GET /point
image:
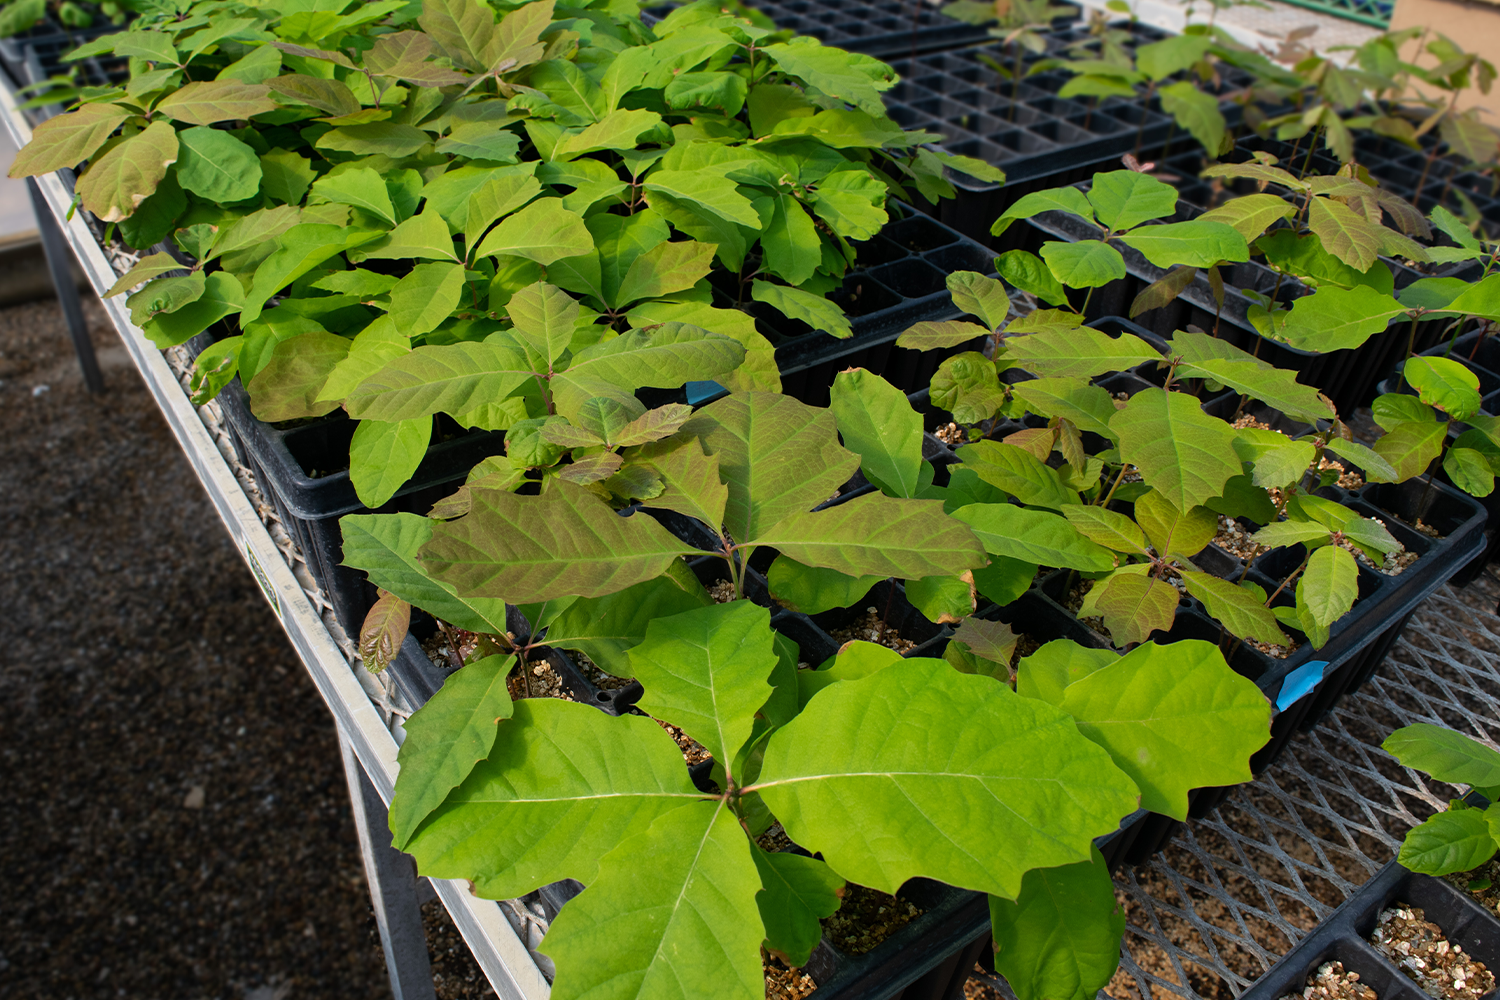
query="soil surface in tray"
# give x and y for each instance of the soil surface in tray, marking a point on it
(176, 821)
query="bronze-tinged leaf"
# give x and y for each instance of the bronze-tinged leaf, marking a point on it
(67, 140)
(405, 55)
(205, 102)
(1345, 234)
(690, 483)
(1163, 290)
(591, 469)
(992, 642)
(325, 95)
(383, 632)
(129, 173)
(464, 28)
(337, 58)
(1133, 606)
(565, 543)
(144, 270)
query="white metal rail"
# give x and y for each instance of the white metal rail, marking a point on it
(500, 953)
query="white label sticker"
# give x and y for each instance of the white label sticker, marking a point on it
(265, 584)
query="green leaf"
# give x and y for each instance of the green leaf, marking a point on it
(445, 739)
(1280, 533)
(1029, 273)
(1444, 383)
(1470, 471)
(968, 387)
(1084, 264)
(116, 184)
(67, 140)
(1209, 357)
(832, 71)
(796, 893)
(165, 295)
(664, 269)
(1410, 448)
(1108, 528)
(288, 387)
(1047, 673)
(884, 800)
(286, 176)
(361, 187)
(1174, 533)
(1089, 407)
(663, 357)
(564, 543)
(480, 141)
(1335, 318)
(386, 545)
(424, 236)
(222, 296)
(452, 378)
(426, 297)
(1395, 408)
(1132, 605)
(851, 201)
(1194, 244)
(1180, 451)
(1123, 199)
(1480, 299)
(209, 101)
(1376, 468)
(690, 480)
(880, 426)
(1251, 214)
(1242, 613)
(1064, 199)
(616, 130)
(1078, 353)
(932, 334)
(877, 535)
(375, 139)
(712, 192)
(215, 165)
(942, 599)
(1195, 111)
(382, 457)
(1444, 754)
(561, 780)
(1345, 234)
(1060, 939)
(1152, 710)
(604, 628)
(1163, 291)
(1329, 585)
(982, 647)
(1034, 536)
(778, 457)
(1452, 841)
(708, 671)
(543, 231)
(811, 590)
(1017, 472)
(1169, 56)
(980, 296)
(331, 96)
(686, 925)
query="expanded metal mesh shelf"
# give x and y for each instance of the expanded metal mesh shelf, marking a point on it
(1235, 891)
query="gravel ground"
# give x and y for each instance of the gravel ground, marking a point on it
(176, 823)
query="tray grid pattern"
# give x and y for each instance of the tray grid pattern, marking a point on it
(1235, 891)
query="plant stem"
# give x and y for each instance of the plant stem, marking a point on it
(1140, 133)
(1116, 485)
(1307, 160)
(1289, 579)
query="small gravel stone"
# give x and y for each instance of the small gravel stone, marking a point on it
(870, 628)
(1234, 538)
(866, 918)
(595, 676)
(1483, 883)
(951, 434)
(1331, 982)
(783, 983)
(1443, 970)
(722, 592)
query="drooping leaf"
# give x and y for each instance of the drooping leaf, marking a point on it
(1029, 273)
(209, 101)
(1444, 754)
(980, 296)
(1346, 234)
(116, 183)
(1174, 533)
(880, 426)
(854, 769)
(1018, 473)
(812, 590)
(796, 893)
(1242, 613)
(454, 731)
(794, 303)
(1329, 585)
(382, 457)
(1151, 709)
(1163, 290)
(1209, 357)
(1060, 938)
(386, 545)
(566, 542)
(289, 386)
(1181, 451)
(605, 628)
(1196, 111)
(1411, 447)
(1034, 536)
(67, 140)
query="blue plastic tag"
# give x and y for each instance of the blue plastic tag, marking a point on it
(1299, 682)
(702, 392)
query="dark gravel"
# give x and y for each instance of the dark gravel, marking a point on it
(175, 821)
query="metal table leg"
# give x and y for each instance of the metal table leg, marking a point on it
(394, 894)
(56, 249)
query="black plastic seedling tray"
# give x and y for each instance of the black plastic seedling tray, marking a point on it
(34, 56)
(1344, 937)
(1481, 355)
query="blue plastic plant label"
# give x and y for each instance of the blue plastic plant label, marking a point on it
(702, 392)
(1299, 682)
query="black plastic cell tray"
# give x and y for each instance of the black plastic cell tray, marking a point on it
(36, 55)
(1344, 936)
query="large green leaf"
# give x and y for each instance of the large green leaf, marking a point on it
(386, 545)
(1034, 536)
(708, 672)
(1029, 273)
(604, 628)
(812, 590)
(794, 303)
(1047, 672)
(663, 357)
(1174, 533)
(1109, 528)
(672, 915)
(863, 779)
(1412, 446)
(115, 184)
(712, 192)
(880, 426)
(1444, 383)
(664, 269)
(209, 101)
(298, 250)
(543, 231)
(563, 783)
(360, 187)
(1089, 407)
(1123, 199)
(1209, 357)
(1132, 604)
(426, 296)
(1196, 111)
(1346, 234)
(1174, 718)
(1453, 841)
(1181, 451)
(565, 543)
(1084, 264)
(1444, 754)
(1242, 612)
(215, 165)
(1172, 55)
(1017, 472)
(979, 296)
(1196, 243)
(796, 893)
(455, 730)
(967, 386)
(67, 140)
(690, 480)
(831, 71)
(1329, 585)
(1060, 939)
(452, 378)
(1078, 353)
(289, 387)
(877, 535)
(1334, 318)
(616, 130)
(778, 456)
(382, 457)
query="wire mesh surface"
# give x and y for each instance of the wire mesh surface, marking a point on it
(1235, 891)
(1376, 13)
